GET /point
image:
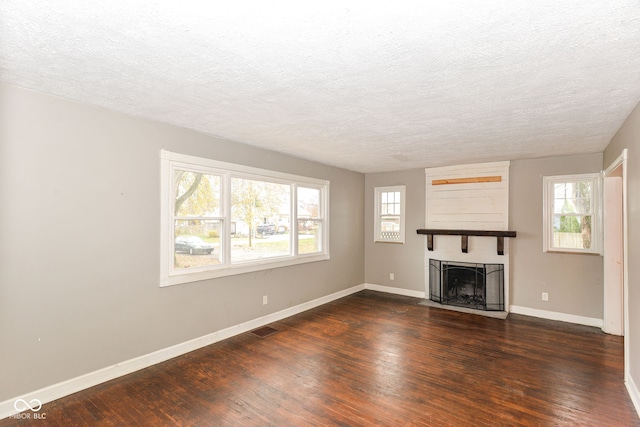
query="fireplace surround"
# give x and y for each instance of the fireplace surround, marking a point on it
(470, 285)
(467, 224)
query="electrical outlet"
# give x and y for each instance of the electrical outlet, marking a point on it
(545, 296)
(392, 276)
(264, 300)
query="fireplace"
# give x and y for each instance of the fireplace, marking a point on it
(469, 285)
(467, 223)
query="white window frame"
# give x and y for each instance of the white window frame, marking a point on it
(171, 276)
(378, 237)
(596, 212)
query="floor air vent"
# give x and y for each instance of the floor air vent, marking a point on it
(264, 331)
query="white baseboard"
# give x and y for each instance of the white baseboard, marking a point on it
(553, 315)
(634, 393)
(74, 385)
(397, 291)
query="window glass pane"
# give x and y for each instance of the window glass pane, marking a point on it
(196, 194)
(583, 197)
(572, 197)
(390, 228)
(309, 236)
(572, 232)
(260, 212)
(196, 243)
(392, 204)
(309, 223)
(308, 202)
(390, 223)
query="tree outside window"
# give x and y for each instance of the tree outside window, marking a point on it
(572, 213)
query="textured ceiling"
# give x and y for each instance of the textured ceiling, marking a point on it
(368, 86)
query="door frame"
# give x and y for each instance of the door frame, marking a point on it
(621, 162)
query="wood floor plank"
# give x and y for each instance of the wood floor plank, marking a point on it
(374, 359)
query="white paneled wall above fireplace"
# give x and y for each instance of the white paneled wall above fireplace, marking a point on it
(481, 204)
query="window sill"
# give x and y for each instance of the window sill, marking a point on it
(572, 252)
(196, 276)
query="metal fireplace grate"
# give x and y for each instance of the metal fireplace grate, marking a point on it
(470, 285)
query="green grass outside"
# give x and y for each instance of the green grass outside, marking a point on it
(305, 245)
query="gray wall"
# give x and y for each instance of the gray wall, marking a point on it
(79, 242)
(574, 282)
(406, 261)
(629, 137)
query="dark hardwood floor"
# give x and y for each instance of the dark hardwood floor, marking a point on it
(373, 359)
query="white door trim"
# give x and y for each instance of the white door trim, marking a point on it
(621, 161)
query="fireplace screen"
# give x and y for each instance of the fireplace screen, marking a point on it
(477, 286)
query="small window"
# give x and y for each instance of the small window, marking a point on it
(572, 213)
(389, 214)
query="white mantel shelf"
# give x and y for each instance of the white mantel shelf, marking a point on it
(464, 243)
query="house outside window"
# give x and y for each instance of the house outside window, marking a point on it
(389, 214)
(220, 219)
(573, 213)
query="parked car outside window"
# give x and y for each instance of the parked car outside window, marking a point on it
(192, 245)
(269, 229)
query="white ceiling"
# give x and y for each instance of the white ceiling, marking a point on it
(368, 86)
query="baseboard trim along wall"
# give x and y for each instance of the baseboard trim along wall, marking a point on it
(634, 393)
(74, 385)
(397, 291)
(553, 315)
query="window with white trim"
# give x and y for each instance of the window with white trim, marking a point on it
(389, 214)
(220, 219)
(572, 213)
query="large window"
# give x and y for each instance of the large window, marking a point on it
(572, 213)
(221, 219)
(389, 214)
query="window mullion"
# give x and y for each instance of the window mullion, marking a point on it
(225, 199)
(293, 214)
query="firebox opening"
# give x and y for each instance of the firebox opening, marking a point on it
(470, 285)
(464, 286)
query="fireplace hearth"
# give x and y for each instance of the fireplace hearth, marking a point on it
(469, 285)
